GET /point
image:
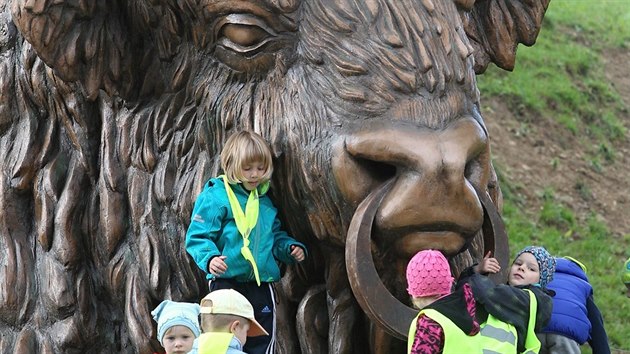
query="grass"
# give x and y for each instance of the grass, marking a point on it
(561, 79)
(557, 229)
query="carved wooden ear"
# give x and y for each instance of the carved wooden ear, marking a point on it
(81, 44)
(496, 27)
(102, 44)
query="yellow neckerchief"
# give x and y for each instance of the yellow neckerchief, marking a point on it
(245, 222)
(214, 342)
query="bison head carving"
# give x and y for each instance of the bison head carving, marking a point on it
(112, 115)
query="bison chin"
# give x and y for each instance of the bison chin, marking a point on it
(370, 290)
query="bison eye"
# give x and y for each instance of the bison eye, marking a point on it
(243, 38)
(246, 43)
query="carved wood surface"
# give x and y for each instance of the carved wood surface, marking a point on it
(112, 115)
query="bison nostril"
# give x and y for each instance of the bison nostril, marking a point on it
(357, 175)
(438, 167)
(376, 170)
(477, 168)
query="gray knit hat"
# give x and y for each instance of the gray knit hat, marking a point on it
(546, 263)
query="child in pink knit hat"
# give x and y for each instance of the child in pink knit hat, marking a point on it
(428, 277)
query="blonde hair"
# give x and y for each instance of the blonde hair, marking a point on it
(243, 148)
(214, 322)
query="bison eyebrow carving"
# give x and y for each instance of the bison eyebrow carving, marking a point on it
(405, 47)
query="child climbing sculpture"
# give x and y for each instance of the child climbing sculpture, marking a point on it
(235, 235)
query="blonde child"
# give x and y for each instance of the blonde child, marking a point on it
(227, 319)
(235, 235)
(469, 319)
(177, 325)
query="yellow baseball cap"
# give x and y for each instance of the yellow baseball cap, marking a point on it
(231, 302)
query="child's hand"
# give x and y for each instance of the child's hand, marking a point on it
(489, 264)
(217, 266)
(297, 253)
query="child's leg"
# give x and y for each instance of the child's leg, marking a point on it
(263, 301)
(551, 343)
(218, 284)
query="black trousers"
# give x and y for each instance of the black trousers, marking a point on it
(262, 299)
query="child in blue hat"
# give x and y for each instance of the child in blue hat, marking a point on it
(178, 325)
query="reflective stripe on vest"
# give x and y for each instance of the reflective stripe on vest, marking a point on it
(412, 333)
(495, 336)
(532, 344)
(214, 342)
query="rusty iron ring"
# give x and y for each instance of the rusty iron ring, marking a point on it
(368, 288)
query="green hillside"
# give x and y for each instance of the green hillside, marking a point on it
(568, 100)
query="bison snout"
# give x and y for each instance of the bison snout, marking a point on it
(432, 202)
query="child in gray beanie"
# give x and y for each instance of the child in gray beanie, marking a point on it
(546, 266)
(531, 270)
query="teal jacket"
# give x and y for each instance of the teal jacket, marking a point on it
(212, 232)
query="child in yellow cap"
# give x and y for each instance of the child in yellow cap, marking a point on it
(227, 319)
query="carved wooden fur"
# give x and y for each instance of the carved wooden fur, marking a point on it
(112, 114)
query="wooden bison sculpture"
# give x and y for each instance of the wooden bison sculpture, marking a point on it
(113, 113)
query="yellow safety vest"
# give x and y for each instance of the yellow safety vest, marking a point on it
(495, 336)
(214, 342)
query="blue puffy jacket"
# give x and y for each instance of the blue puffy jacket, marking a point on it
(570, 315)
(575, 314)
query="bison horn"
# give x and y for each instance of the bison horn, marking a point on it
(368, 288)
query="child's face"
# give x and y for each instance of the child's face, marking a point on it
(239, 329)
(178, 340)
(252, 173)
(524, 270)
